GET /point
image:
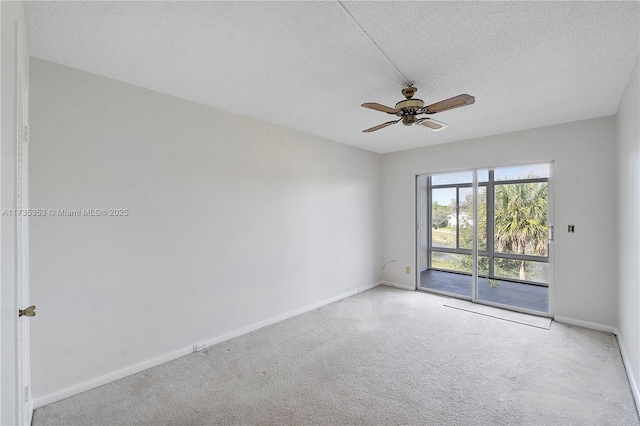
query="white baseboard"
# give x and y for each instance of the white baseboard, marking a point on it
(363, 289)
(244, 330)
(396, 285)
(30, 411)
(586, 324)
(153, 362)
(108, 378)
(632, 380)
(625, 360)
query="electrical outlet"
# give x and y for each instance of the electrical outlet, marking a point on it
(572, 228)
(407, 269)
(199, 346)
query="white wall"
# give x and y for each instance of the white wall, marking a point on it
(232, 221)
(628, 134)
(584, 183)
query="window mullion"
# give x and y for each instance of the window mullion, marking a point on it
(458, 217)
(490, 223)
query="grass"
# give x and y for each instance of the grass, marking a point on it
(444, 236)
(441, 264)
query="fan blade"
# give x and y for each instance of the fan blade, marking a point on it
(447, 104)
(379, 107)
(380, 126)
(433, 125)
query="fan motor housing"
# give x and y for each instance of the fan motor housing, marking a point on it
(410, 105)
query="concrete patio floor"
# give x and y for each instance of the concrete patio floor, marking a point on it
(525, 296)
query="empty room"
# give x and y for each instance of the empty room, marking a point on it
(320, 212)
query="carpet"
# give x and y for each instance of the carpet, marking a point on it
(382, 357)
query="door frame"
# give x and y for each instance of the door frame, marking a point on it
(474, 291)
(15, 396)
(21, 185)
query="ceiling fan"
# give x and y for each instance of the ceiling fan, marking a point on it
(409, 108)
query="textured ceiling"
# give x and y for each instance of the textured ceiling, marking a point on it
(308, 66)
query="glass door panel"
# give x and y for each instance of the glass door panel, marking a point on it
(516, 205)
(449, 260)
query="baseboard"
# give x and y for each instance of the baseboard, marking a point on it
(153, 362)
(278, 318)
(396, 285)
(632, 380)
(30, 411)
(72, 390)
(625, 360)
(586, 324)
(369, 287)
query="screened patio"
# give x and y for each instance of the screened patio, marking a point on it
(520, 295)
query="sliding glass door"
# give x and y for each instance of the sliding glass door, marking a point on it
(483, 236)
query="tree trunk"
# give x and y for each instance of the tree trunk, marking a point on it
(523, 276)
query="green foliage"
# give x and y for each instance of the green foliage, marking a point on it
(521, 220)
(520, 227)
(439, 215)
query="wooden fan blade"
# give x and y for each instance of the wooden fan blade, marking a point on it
(451, 103)
(379, 107)
(380, 126)
(431, 124)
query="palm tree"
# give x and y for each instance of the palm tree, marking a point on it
(520, 223)
(521, 220)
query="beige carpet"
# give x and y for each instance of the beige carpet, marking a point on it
(386, 356)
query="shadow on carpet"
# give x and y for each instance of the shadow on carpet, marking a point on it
(503, 314)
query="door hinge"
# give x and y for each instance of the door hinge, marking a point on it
(27, 312)
(551, 233)
(26, 134)
(27, 393)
